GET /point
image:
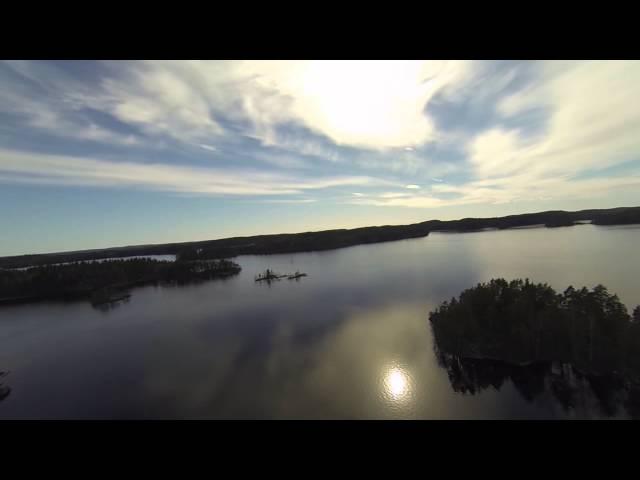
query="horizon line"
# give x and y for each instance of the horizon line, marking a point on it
(88, 250)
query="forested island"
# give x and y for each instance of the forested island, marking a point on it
(104, 282)
(331, 239)
(570, 342)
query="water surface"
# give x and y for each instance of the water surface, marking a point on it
(351, 340)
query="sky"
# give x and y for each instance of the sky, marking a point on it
(98, 154)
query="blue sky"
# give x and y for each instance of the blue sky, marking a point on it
(99, 154)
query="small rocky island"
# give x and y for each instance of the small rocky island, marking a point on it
(570, 343)
(105, 282)
(269, 276)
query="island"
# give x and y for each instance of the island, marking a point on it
(269, 276)
(570, 342)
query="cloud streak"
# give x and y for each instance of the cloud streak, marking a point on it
(72, 171)
(507, 190)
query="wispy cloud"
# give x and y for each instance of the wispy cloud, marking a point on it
(293, 200)
(49, 109)
(371, 104)
(394, 195)
(587, 130)
(514, 189)
(63, 170)
(532, 130)
(368, 104)
(211, 148)
(282, 160)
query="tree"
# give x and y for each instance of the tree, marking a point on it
(521, 321)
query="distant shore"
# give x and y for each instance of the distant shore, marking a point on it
(333, 239)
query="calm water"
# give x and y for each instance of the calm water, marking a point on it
(351, 340)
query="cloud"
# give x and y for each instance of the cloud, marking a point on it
(532, 130)
(508, 190)
(415, 202)
(281, 160)
(369, 104)
(161, 99)
(592, 124)
(394, 195)
(211, 148)
(366, 104)
(48, 109)
(305, 143)
(73, 171)
(312, 109)
(302, 200)
(50, 119)
(415, 165)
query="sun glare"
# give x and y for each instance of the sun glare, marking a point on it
(396, 383)
(368, 103)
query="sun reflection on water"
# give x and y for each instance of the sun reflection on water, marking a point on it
(397, 384)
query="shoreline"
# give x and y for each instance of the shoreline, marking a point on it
(335, 239)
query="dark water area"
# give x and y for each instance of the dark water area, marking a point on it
(351, 340)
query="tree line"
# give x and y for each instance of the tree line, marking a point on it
(83, 279)
(522, 322)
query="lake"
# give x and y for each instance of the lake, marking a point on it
(350, 341)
